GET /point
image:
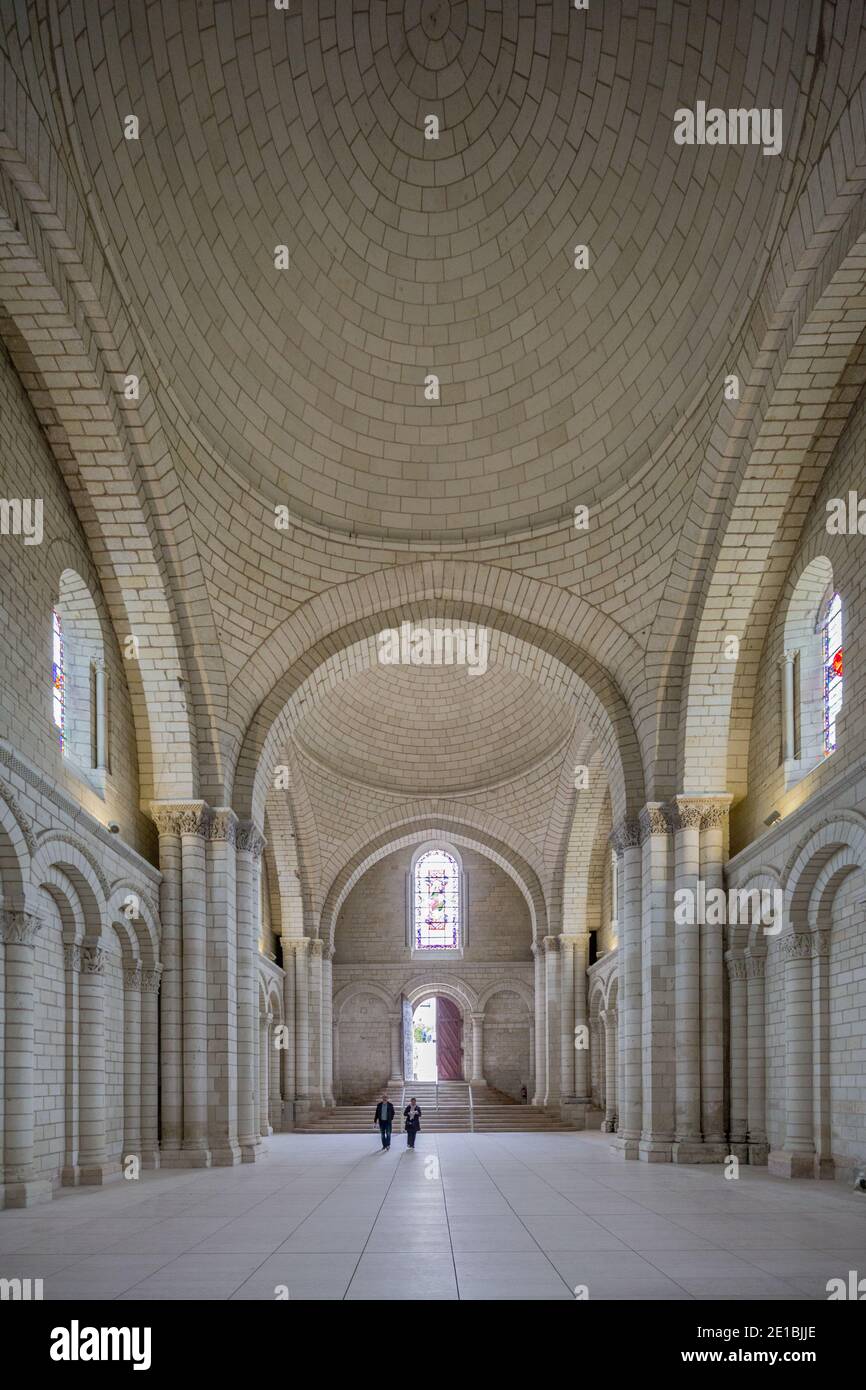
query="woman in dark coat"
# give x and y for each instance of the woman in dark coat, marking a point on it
(412, 1117)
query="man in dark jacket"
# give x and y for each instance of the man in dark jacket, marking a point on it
(412, 1116)
(384, 1118)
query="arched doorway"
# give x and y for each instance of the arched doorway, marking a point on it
(437, 1040)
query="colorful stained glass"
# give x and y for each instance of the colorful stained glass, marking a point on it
(437, 901)
(833, 665)
(58, 676)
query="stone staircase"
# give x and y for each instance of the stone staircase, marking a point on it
(448, 1107)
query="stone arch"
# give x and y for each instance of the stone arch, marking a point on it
(17, 842)
(88, 439)
(358, 856)
(143, 926)
(511, 986)
(786, 455)
(846, 832)
(740, 935)
(349, 991)
(425, 986)
(561, 630)
(66, 854)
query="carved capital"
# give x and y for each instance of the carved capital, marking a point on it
(92, 960)
(551, 944)
(223, 825)
(687, 814)
(737, 968)
(804, 945)
(654, 820)
(72, 958)
(150, 980)
(625, 836)
(317, 946)
(132, 978)
(181, 817)
(19, 928)
(250, 840)
(755, 967)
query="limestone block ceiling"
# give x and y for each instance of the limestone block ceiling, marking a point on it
(410, 256)
(431, 731)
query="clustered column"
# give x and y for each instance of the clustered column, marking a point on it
(626, 842)
(250, 846)
(22, 1185)
(609, 1022)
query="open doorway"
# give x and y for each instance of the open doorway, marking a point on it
(437, 1040)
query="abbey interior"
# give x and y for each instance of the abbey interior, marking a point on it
(432, 649)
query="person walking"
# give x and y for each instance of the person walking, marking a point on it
(412, 1117)
(384, 1118)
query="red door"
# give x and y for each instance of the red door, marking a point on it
(449, 1040)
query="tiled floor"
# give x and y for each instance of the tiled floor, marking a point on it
(464, 1216)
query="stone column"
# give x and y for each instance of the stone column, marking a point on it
(222, 973)
(287, 1055)
(609, 1022)
(580, 1030)
(688, 1138)
(327, 1027)
(824, 1165)
(788, 743)
(150, 1155)
(477, 1074)
(71, 1173)
(265, 1021)
(739, 1052)
(396, 1077)
(250, 845)
(167, 817)
(194, 828)
(567, 1039)
(18, 932)
(626, 840)
(540, 1025)
(302, 1022)
(274, 1105)
(657, 1004)
(132, 1062)
(101, 715)
(92, 1157)
(316, 1093)
(551, 1013)
(757, 1061)
(714, 840)
(797, 1159)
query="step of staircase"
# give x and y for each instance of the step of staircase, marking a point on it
(449, 1107)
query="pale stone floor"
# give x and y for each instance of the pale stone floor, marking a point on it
(513, 1216)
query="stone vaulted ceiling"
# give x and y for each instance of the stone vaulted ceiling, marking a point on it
(410, 256)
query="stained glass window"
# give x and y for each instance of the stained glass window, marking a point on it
(832, 670)
(58, 676)
(437, 901)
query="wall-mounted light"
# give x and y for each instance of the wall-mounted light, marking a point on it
(113, 828)
(773, 817)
